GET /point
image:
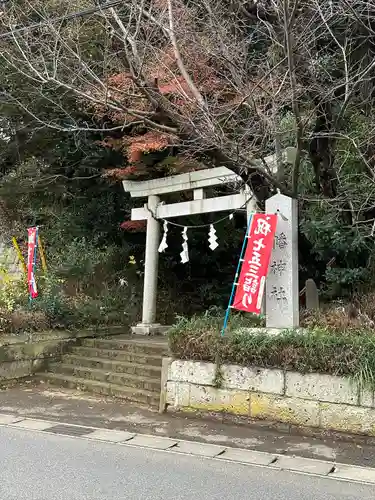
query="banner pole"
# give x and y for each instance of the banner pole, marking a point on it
(227, 312)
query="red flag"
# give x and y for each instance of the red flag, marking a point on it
(254, 268)
(31, 256)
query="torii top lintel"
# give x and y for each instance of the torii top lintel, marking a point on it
(183, 182)
(195, 181)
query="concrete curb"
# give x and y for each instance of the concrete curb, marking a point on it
(327, 469)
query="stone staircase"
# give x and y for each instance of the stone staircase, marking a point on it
(123, 367)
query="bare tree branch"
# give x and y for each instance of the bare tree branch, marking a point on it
(179, 60)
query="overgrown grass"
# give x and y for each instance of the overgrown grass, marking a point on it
(349, 353)
(213, 319)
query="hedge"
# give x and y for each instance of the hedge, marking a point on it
(350, 354)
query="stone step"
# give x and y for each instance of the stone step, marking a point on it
(111, 365)
(132, 346)
(121, 379)
(118, 355)
(104, 388)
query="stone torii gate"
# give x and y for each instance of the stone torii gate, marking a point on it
(154, 209)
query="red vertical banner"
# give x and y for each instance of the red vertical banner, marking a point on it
(250, 287)
(32, 244)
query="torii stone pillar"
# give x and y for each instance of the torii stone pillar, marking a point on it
(149, 325)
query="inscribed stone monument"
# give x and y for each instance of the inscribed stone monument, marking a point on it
(282, 294)
(312, 295)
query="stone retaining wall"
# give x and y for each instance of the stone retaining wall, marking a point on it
(24, 355)
(313, 400)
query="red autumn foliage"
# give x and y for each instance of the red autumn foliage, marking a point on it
(162, 73)
(151, 141)
(134, 226)
(174, 86)
(120, 81)
(162, 78)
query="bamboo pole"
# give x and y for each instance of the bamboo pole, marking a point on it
(19, 253)
(42, 255)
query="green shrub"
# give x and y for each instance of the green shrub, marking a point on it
(57, 308)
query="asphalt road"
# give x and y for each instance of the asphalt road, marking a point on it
(40, 466)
